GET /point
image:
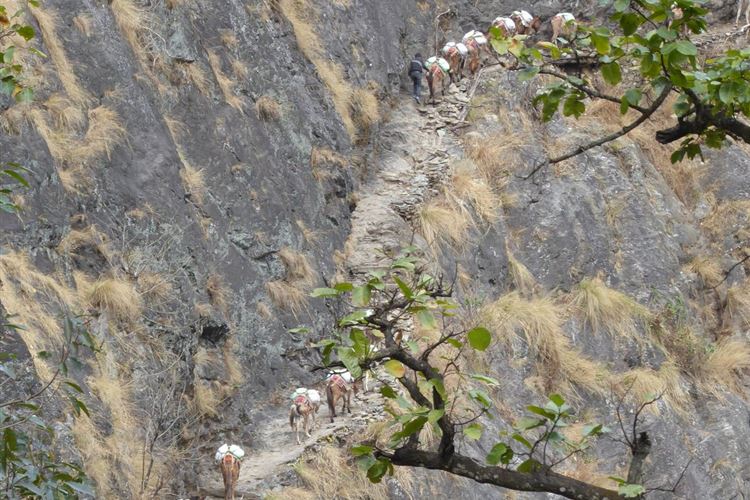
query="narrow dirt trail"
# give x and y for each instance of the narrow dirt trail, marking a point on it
(413, 154)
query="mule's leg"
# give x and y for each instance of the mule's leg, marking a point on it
(331, 403)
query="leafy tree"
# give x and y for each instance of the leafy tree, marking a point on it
(712, 95)
(29, 466)
(436, 389)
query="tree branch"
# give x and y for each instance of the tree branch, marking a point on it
(588, 90)
(543, 481)
(645, 115)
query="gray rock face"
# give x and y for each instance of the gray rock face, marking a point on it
(614, 213)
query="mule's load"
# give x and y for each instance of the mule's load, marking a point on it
(460, 47)
(233, 450)
(339, 381)
(524, 16)
(506, 24)
(476, 36)
(441, 63)
(297, 392)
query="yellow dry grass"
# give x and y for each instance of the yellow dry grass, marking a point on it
(441, 223)
(118, 297)
(66, 114)
(287, 296)
(329, 473)
(365, 111)
(738, 303)
(726, 217)
(499, 154)
(539, 322)
(303, 18)
(194, 182)
(217, 290)
(83, 23)
(267, 109)
(95, 456)
(132, 20)
(229, 39)
(726, 369)
(606, 309)
(197, 76)
(155, 287)
(298, 268)
(48, 21)
(468, 188)
(263, 310)
(206, 398)
(90, 236)
(522, 278)
(707, 269)
(644, 384)
(225, 83)
(239, 69)
(310, 236)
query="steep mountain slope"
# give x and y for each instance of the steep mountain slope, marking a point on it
(199, 166)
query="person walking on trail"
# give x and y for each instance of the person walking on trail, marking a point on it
(415, 72)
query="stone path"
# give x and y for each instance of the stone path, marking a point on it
(414, 151)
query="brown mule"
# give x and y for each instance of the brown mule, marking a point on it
(338, 388)
(435, 77)
(300, 412)
(230, 472)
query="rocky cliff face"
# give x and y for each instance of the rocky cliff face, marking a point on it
(199, 166)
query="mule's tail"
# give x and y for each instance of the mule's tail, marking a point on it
(228, 476)
(292, 415)
(330, 401)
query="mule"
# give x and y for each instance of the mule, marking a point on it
(338, 388)
(300, 413)
(506, 25)
(743, 6)
(526, 24)
(455, 54)
(314, 397)
(229, 458)
(563, 23)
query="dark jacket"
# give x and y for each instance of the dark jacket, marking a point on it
(415, 68)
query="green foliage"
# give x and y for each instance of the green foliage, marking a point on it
(648, 36)
(29, 467)
(628, 490)
(11, 172)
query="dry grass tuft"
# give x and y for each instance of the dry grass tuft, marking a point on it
(263, 310)
(467, 187)
(66, 114)
(217, 290)
(605, 309)
(644, 384)
(522, 278)
(104, 132)
(267, 109)
(206, 398)
(539, 320)
(197, 75)
(707, 269)
(229, 39)
(726, 368)
(310, 235)
(298, 268)
(89, 237)
(48, 21)
(441, 223)
(194, 182)
(287, 296)
(132, 20)
(364, 110)
(225, 83)
(118, 297)
(330, 473)
(738, 303)
(155, 287)
(83, 22)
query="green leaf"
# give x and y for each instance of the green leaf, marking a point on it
(376, 472)
(500, 453)
(484, 378)
(18, 177)
(528, 73)
(624, 105)
(633, 96)
(27, 32)
(686, 48)
(360, 450)
(82, 488)
(553, 50)
(629, 23)
(612, 73)
(350, 360)
(426, 319)
(405, 289)
(541, 411)
(75, 386)
(557, 399)
(395, 368)
(479, 338)
(527, 423)
(435, 415)
(473, 431)
(601, 43)
(361, 296)
(324, 292)
(529, 466)
(343, 287)
(388, 392)
(631, 490)
(522, 440)
(455, 343)
(8, 55)
(621, 5)
(573, 106)
(300, 330)
(480, 397)
(354, 318)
